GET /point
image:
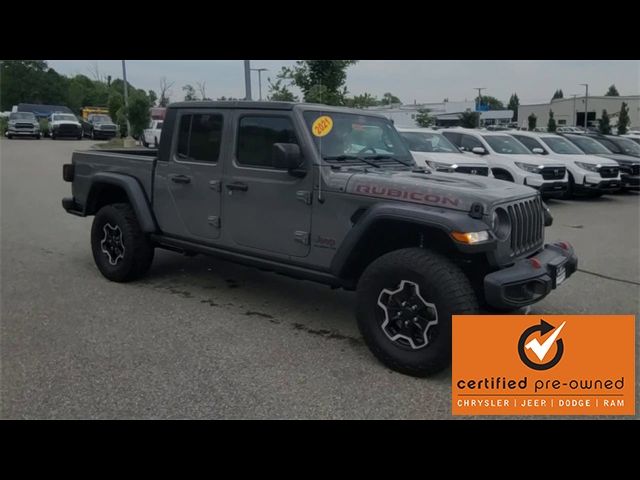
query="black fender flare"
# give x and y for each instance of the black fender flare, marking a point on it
(445, 220)
(135, 193)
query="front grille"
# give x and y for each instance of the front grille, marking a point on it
(553, 173)
(527, 225)
(107, 127)
(635, 169)
(67, 128)
(608, 172)
(24, 125)
(474, 170)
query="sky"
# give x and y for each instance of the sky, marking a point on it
(411, 80)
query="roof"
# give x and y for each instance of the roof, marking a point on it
(43, 110)
(262, 105)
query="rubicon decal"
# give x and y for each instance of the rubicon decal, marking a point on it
(543, 365)
(416, 196)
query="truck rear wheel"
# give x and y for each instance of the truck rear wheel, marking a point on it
(121, 250)
(405, 300)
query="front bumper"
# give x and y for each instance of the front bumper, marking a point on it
(31, 132)
(547, 188)
(630, 181)
(597, 184)
(67, 132)
(531, 279)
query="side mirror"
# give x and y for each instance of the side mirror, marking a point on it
(479, 150)
(538, 150)
(286, 156)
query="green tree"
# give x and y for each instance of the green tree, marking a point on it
(115, 104)
(532, 119)
(492, 102)
(557, 94)
(362, 101)
(612, 92)
(321, 81)
(605, 124)
(551, 124)
(152, 98)
(189, 93)
(623, 119)
(279, 92)
(390, 99)
(22, 82)
(423, 119)
(139, 114)
(514, 103)
(469, 119)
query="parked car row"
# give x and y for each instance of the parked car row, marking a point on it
(556, 165)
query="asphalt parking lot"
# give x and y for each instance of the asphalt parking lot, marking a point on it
(203, 338)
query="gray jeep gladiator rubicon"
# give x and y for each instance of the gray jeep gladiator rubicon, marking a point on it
(325, 194)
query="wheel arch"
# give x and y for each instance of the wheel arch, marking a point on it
(107, 188)
(383, 228)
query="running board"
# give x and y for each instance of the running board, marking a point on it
(294, 271)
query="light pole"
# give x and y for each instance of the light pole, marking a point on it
(247, 79)
(259, 70)
(126, 98)
(479, 101)
(586, 100)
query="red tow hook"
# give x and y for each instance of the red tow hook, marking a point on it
(563, 245)
(535, 263)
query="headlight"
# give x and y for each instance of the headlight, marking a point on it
(471, 238)
(529, 167)
(442, 166)
(588, 166)
(501, 223)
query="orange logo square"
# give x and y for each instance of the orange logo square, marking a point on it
(543, 365)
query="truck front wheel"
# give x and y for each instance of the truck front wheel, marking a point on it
(121, 250)
(405, 300)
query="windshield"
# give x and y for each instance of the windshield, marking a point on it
(562, 146)
(337, 134)
(70, 118)
(101, 118)
(22, 116)
(590, 146)
(428, 142)
(506, 144)
(628, 147)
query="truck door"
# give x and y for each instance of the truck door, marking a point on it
(188, 182)
(263, 207)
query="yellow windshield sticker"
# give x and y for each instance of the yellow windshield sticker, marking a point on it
(322, 126)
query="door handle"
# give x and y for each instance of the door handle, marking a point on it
(243, 187)
(180, 179)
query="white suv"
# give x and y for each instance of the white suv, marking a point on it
(432, 149)
(587, 173)
(510, 160)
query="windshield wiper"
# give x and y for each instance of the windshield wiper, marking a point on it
(341, 158)
(389, 157)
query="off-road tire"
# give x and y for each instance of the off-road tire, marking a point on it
(138, 250)
(441, 282)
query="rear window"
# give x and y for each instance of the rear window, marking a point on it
(200, 137)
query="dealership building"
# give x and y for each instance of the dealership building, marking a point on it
(570, 111)
(444, 113)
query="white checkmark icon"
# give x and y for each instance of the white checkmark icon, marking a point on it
(541, 350)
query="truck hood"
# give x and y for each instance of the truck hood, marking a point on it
(621, 158)
(455, 191)
(450, 158)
